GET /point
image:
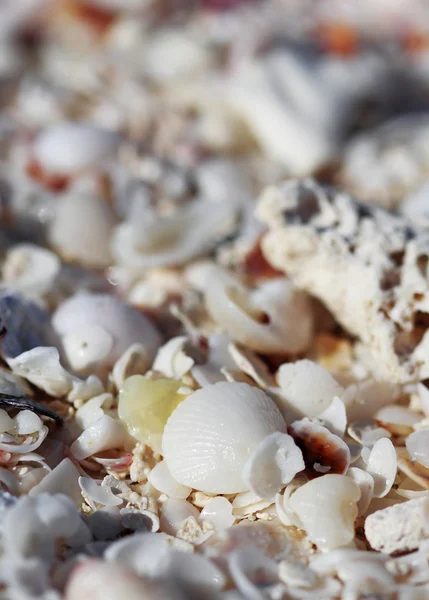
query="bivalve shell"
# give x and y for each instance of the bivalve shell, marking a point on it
(209, 437)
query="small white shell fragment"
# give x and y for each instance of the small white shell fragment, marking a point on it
(123, 323)
(382, 466)
(251, 570)
(423, 393)
(27, 422)
(275, 318)
(334, 417)
(92, 410)
(69, 147)
(173, 514)
(145, 553)
(272, 465)
(327, 509)
(103, 434)
(30, 269)
(163, 481)
(307, 388)
(365, 482)
(218, 512)
(364, 398)
(63, 479)
(247, 416)
(87, 346)
(197, 576)
(81, 228)
(399, 420)
(102, 581)
(134, 361)
(418, 446)
(398, 528)
(41, 366)
(6, 422)
(171, 359)
(100, 494)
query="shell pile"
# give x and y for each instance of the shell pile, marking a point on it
(214, 300)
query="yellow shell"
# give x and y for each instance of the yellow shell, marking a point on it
(145, 405)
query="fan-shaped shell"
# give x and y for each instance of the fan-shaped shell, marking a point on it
(209, 437)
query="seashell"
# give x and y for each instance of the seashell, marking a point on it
(417, 446)
(30, 269)
(218, 512)
(103, 434)
(173, 514)
(251, 365)
(93, 325)
(397, 419)
(145, 405)
(323, 451)
(27, 422)
(134, 361)
(92, 410)
(101, 581)
(250, 570)
(327, 509)
(248, 503)
(224, 180)
(365, 482)
(93, 492)
(382, 466)
(247, 416)
(275, 318)
(81, 228)
(70, 147)
(145, 553)
(63, 479)
(41, 366)
(172, 359)
(161, 241)
(367, 433)
(409, 489)
(272, 465)
(423, 394)
(364, 398)
(162, 480)
(6, 422)
(334, 417)
(307, 389)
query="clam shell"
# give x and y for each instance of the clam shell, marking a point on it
(209, 437)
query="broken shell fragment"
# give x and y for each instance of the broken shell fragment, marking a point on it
(308, 388)
(397, 419)
(366, 485)
(275, 318)
(418, 446)
(272, 465)
(382, 466)
(323, 451)
(327, 509)
(163, 481)
(226, 421)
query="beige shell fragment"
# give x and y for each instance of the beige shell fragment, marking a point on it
(329, 244)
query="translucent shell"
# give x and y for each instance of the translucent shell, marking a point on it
(210, 436)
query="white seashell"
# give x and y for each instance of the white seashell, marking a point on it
(418, 446)
(224, 180)
(272, 465)
(99, 580)
(364, 398)
(163, 481)
(226, 421)
(8, 443)
(87, 346)
(250, 570)
(96, 493)
(30, 269)
(174, 513)
(144, 553)
(334, 417)
(382, 466)
(104, 434)
(27, 422)
(134, 361)
(172, 240)
(63, 479)
(67, 148)
(121, 322)
(251, 365)
(307, 388)
(172, 360)
(327, 509)
(85, 389)
(423, 394)
(41, 366)
(275, 318)
(366, 485)
(367, 433)
(13, 384)
(397, 419)
(218, 512)
(195, 575)
(81, 227)
(92, 410)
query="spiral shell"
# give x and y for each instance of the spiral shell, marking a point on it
(209, 437)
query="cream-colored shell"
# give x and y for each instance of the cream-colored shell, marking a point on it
(210, 435)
